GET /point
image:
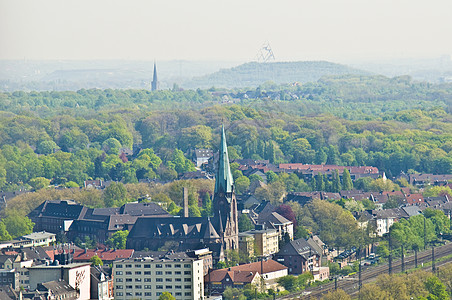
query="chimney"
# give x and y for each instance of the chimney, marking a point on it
(185, 195)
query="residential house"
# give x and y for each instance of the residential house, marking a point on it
(278, 222)
(299, 257)
(56, 289)
(76, 274)
(267, 271)
(102, 285)
(201, 156)
(246, 243)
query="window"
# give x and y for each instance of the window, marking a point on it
(187, 286)
(138, 287)
(138, 266)
(187, 293)
(187, 266)
(118, 266)
(168, 280)
(187, 272)
(178, 279)
(158, 273)
(128, 279)
(147, 266)
(119, 287)
(128, 273)
(138, 294)
(148, 287)
(119, 293)
(128, 266)
(129, 294)
(118, 279)
(129, 286)
(177, 272)
(118, 272)
(159, 279)
(147, 280)
(169, 287)
(138, 279)
(177, 266)
(159, 266)
(147, 272)
(137, 272)
(148, 294)
(187, 279)
(159, 287)
(179, 294)
(158, 293)
(178, 287)
(168, 273)
(167, 266)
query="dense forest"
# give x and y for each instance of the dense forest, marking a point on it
(65, 138)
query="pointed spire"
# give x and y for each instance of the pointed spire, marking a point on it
(223, 179)
(154, 83)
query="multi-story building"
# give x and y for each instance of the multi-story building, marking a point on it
(246, 243)
(147, 278)
(266, 240)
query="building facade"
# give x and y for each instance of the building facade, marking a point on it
(147, 278)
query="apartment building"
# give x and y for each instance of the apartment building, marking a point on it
(147, 278)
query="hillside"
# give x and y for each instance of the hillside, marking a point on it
(253, 74)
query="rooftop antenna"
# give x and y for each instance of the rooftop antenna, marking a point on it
(265, 53)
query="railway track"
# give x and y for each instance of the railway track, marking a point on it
(351, 284)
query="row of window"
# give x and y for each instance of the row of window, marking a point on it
(130, 294)
(149, 287)
(188, 279)
(156, 272)
(148, 266)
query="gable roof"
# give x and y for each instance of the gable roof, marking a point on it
(299, 247)
(273, 218)
(267, 266)
(235, 276)
(142, 209)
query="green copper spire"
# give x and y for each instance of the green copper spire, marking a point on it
(223, 178)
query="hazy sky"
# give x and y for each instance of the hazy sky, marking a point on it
(231, 30)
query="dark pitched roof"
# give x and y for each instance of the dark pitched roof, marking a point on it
(142, 209)
(146, 227)
(59, 209)
(273, 218)
(299, 247)
(58, 288)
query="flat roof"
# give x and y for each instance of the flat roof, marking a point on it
(68, 266)
(38, 235)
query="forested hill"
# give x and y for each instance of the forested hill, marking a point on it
(253, 74)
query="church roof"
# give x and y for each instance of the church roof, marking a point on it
(223, 178)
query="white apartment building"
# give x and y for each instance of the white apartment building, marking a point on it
(147, 278)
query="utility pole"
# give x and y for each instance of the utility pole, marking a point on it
(403, 261)
(390, 255)
(433, 260)
(425, 235)
(415, 257)
(335, 283)
(359, 274)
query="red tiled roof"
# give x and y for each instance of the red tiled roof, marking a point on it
(104, 254)
(267, 266)
(324, 168)
(414, 198)
(235, 276)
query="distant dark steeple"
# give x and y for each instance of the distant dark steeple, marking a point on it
(154, 83)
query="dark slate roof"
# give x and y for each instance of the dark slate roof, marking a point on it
(265, 208)
(142, 209)
(298, 247)
(58, 288)
(59, 209)
(146, 227)
(117, 222)
(273, 218)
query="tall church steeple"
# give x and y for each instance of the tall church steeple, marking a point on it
(154, 83)
(224, 181)
(224, 201)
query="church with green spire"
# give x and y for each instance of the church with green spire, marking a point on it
(218, 233)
